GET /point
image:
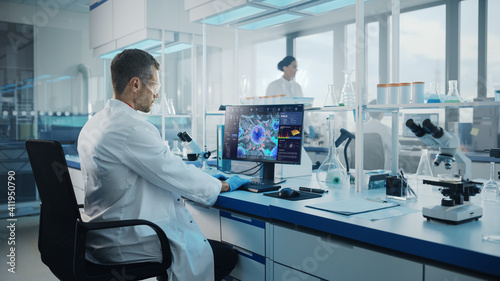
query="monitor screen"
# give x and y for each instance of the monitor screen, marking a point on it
(264, 133)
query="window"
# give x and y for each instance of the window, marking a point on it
(493, 64)
(468, 49)
(314, 56)
(267, 56)
(422, 46)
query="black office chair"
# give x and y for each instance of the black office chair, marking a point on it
(62, 235)
(373, 156)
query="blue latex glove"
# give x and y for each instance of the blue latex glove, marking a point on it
(235, 182)
(220, 177)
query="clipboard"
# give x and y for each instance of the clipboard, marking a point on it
(352, 206)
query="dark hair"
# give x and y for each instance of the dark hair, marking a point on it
(285, 62)
(131, 63)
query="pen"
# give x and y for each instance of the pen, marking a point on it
(314, 190)
(377, 200)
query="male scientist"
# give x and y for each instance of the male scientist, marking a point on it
(130, 174)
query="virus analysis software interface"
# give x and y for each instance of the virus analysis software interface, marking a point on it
(264, 133)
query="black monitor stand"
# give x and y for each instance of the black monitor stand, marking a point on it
(267, 175)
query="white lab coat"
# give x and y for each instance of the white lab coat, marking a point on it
(129, 174)
(284, 87)
(375, 126)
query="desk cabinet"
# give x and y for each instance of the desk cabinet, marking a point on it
(333, 258)
(248, 237)
(207, 219)
(433, 273)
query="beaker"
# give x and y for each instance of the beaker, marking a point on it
(331, 173)
(348, 97)
(490, 189)
(331, 99)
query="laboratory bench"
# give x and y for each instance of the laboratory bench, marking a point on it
(279, 239)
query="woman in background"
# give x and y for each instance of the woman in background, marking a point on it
(286, 85)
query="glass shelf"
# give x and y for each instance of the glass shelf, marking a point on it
(388, 107)
(171, 115)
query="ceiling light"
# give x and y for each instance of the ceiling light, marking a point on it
(326, 6)
(270, 21)
(145, 44)
(176, 47)
(283, 3)
(110, 55)
(235, 15)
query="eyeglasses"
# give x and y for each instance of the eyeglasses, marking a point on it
(155, 89)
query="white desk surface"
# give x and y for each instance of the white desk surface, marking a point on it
(461, 245)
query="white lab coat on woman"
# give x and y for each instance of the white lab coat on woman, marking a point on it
(284, 87)
(130, 174)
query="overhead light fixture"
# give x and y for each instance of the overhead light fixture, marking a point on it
(110, 55)
(172, 48)
(326, 6)
(283, 3)
(272, 20)
(237, 14)
(146, 44)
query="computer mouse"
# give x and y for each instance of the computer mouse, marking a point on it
(288, 193)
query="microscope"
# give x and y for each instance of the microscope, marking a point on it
(455, 207)
(194, 151)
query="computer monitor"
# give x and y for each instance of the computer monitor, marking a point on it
(271, 134)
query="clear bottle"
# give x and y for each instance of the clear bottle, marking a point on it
(332, 173)
(331, 99)
(243, 89)
(490, 189)
(453, 95)
(348, 97)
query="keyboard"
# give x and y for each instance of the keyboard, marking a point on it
(258, 187)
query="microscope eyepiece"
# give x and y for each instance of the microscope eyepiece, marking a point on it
(181, 137)
(415, 128)
(432, 129)
(187, 137)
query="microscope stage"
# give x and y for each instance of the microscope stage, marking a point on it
(454, 214)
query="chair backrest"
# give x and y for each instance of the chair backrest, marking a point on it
(59, 209)
(373, 156)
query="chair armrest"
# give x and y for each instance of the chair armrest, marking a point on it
(82, 228)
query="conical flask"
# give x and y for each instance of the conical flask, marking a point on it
(453, 95)
(424, 166)
(331, 173)
(331, 99)
(348, 97)
(424, 170)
